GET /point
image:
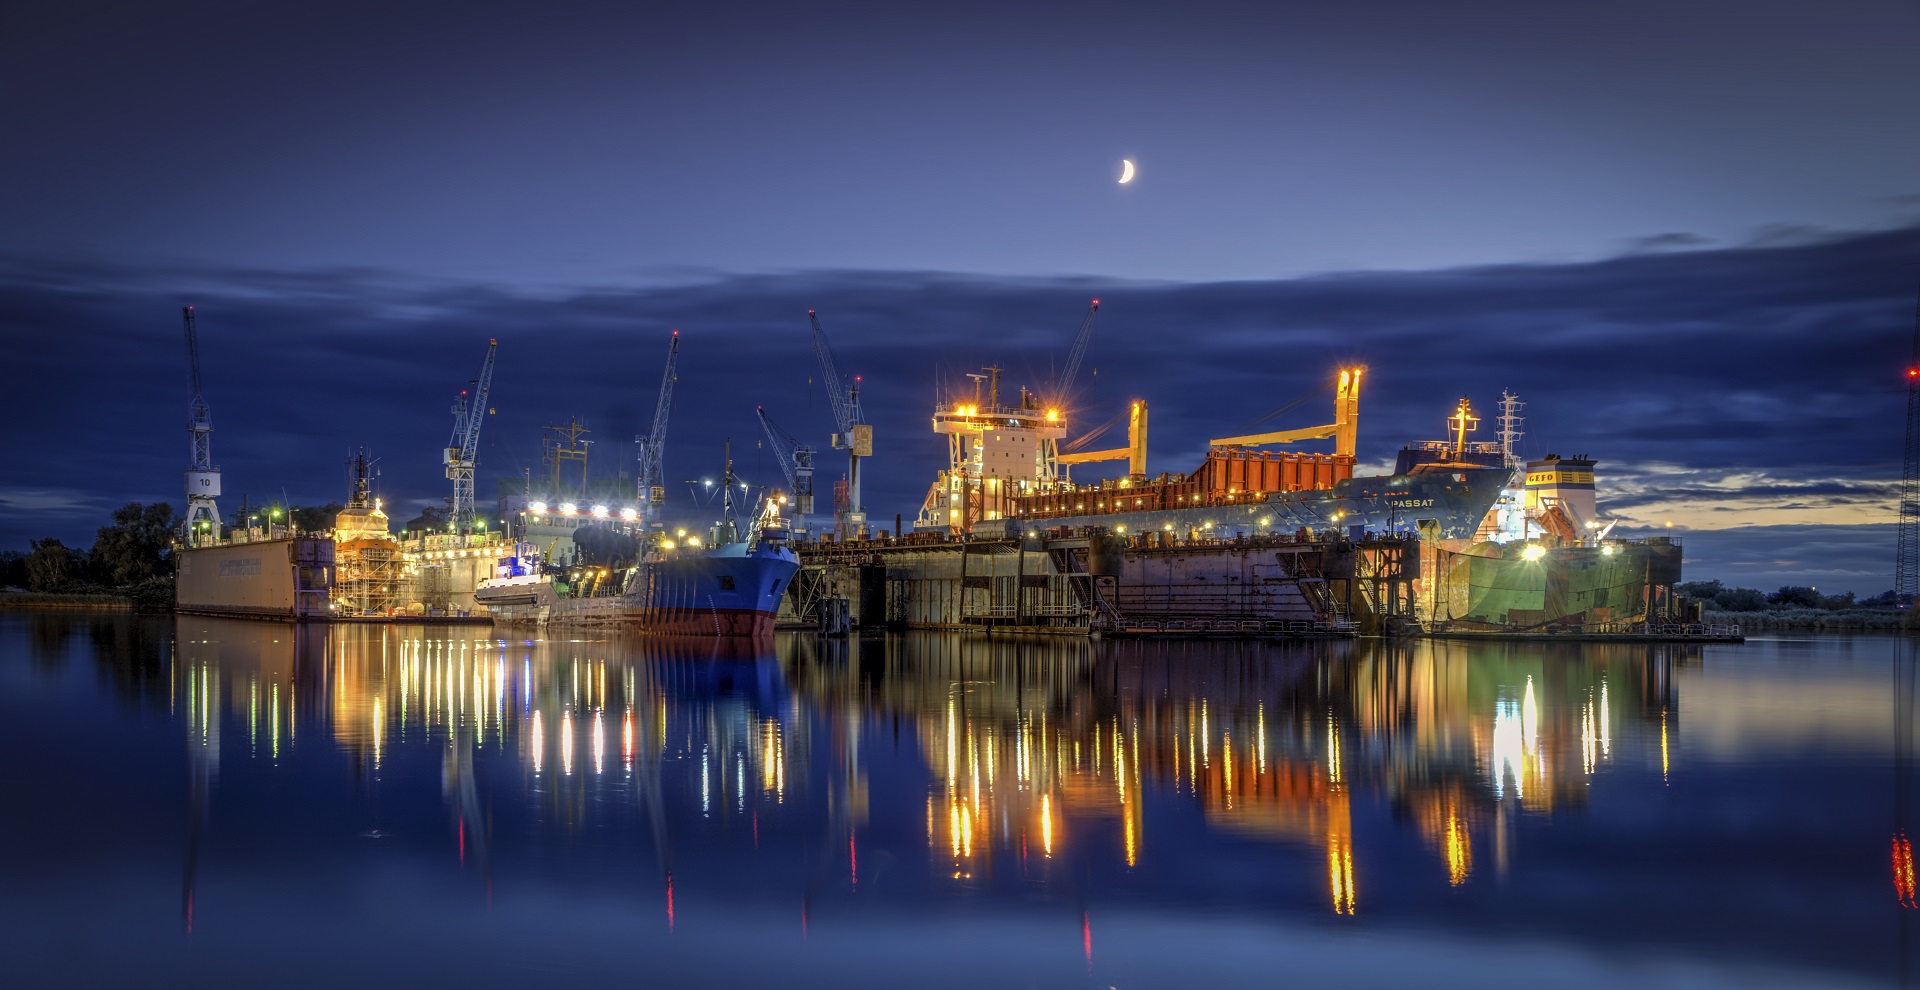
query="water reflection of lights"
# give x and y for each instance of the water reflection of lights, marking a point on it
(1606, 723)
(1516, 741)
(1596, 729)
(599, 740)
(539, 743)
(1340, 874)
(1459, 848)
(1903, 880)
(1333, 749)
(1022, 765)
(1589, 738)
(1663, 744)
(626, 739)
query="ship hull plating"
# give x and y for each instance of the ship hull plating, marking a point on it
(730, 592)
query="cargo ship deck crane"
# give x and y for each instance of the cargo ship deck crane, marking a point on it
(1059, 400)
(202, 520)
(1134, 453)
(463, 450)
(1343, 429)
(650, 492)
(796, 462)
(854, 436)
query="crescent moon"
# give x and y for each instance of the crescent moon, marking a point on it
(1126, 171)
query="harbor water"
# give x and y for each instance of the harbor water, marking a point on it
(197, 801)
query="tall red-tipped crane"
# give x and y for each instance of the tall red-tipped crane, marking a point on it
(463, 450)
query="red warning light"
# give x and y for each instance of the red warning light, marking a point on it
(809, 312)
(1096, 302)
(1911, 372)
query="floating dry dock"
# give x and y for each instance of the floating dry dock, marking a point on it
(1077, 582)
(286, 578)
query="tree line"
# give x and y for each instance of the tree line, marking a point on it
(1720, 598)
(132, 556)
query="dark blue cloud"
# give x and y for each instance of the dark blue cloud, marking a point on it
(1696, 377)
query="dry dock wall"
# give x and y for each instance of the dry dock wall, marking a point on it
(1099, 581)
(271, 579)
(940, 586)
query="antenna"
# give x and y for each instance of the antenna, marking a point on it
(1510, 422)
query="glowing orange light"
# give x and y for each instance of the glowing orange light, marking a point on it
(1903, 883)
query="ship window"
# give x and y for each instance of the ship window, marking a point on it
(726, 582)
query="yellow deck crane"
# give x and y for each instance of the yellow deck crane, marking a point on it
(1343, 429)
(1134, 453)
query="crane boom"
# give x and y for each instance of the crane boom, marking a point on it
(651, 492)
(1343, 430)
(846, 405)
(193, 351)
(463, 449)
(1064, 386)
(202, 519)
(796, 462)
(854, 435)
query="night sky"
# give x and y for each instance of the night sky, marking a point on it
(1687, 234)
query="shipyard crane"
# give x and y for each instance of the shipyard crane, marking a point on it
(796, 462)
(203, 478)
(1063, 386)
(463, 450)
(1060, 393)
(854, 436)
(650, 492)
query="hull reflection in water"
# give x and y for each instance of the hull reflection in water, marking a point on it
(1063, 803)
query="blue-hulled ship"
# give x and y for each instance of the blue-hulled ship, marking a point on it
(729, 584)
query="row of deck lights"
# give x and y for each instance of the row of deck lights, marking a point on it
(569, 509)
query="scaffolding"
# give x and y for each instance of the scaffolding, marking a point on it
(371, 579)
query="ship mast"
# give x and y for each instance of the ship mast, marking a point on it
(1461, 423)
(1510, 420)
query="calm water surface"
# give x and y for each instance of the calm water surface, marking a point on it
(197, 802)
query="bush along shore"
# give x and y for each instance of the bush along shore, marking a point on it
(1803, 608)
(129, 566)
